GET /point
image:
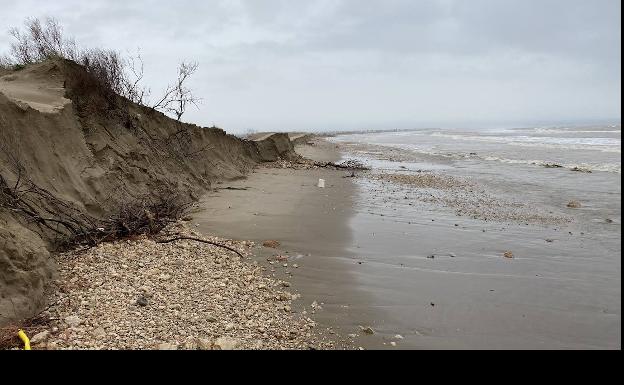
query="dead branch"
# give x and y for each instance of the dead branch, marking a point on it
(177, 97)
(184, 238)
(350, 165)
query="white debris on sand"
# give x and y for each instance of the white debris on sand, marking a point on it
(185, 295)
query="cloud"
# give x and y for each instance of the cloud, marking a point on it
(341, 64)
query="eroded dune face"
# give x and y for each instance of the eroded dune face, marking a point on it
(39, 87)
(94, 160)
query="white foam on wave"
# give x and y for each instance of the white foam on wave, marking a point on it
(605, 167)
(594, 144)
(569, 131)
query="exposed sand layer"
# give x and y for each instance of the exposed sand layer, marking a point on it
(183, 295)
(94, 160)
(42, 91)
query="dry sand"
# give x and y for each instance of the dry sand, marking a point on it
(42, 91)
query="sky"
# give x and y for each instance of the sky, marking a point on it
(319, 65)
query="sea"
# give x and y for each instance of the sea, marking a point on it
(517, 244)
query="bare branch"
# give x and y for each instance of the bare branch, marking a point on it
(177, 97)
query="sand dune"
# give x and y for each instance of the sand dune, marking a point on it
(36, 88)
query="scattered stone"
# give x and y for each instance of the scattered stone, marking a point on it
(508, 255)
(40, 338)
(226, 343)
(394, 344)
(142, 301)
(204, 344)
(398, 337)
(219, 294)
(73, 321)
(271, 244)
(99, 333)
(190, 344)
(367, 330)
(575, 205)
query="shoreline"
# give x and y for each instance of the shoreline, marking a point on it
(146, 289)
(385, 260)
(491, 265)
(312, 226)
(438, 258)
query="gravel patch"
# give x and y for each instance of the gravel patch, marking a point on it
(465, 197)
(185, 295)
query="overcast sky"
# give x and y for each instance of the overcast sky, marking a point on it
(351, 64)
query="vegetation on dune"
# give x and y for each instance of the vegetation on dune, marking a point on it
(107, 72)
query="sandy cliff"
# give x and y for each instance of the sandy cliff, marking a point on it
(95, 158)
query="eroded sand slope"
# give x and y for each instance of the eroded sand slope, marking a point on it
(95, 159)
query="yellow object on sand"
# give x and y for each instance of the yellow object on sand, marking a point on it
(25, 339)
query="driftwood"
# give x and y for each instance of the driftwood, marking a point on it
(184, 238)
(232, 188)
(350, 165)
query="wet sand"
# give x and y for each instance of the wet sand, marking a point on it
(403, 260)
(312, 226)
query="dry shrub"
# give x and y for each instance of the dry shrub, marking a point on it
(91, 91)
(108, 73)
(68, 227)
(147, 215)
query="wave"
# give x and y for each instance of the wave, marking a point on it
(572, 131)
(605, 167)
(595, 144)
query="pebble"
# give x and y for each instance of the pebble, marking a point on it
(575, 205)
(99, 333)
(226, 343)
(142, 301)
(219, 293)
(40, 338)
(367, 330)
(73, 321)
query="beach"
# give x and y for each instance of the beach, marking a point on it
(272, 176)
(430, 256)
